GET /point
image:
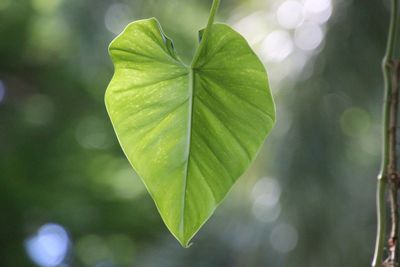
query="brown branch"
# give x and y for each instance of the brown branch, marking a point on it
(388, 175)
(392, 171)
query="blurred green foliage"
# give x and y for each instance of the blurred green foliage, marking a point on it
(60, 161)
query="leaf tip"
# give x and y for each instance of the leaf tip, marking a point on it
(185, 242)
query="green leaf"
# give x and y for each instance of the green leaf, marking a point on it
(188, 131)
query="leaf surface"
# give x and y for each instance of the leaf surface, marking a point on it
(188, 131)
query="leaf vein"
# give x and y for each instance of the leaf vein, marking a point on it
(145, 85)
(247, 153)
(242, 99)
(206, 143)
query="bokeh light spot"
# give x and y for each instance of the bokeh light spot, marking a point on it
(49, 247)
(355, 122)
(266, 193)
(318, 11)
(125, 184)
(277, 46)
(290, 14)
(267, 188)
(309, 36)
(117, 17)
(252, 27)
(317, 6)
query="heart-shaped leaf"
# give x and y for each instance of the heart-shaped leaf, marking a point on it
(188, 131)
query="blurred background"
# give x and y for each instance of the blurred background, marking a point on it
(68, 196)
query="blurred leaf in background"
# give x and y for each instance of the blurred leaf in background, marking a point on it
(68, 197)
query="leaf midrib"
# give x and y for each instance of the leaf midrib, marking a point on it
(193, 66)
(188, 151)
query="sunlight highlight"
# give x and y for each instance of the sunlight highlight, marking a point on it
(309, 36)
(287, 37)
(290, 14)
(49, 247)
(276, 46)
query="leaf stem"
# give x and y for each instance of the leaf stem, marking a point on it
(210, 22)
(388, 171)
(206, 33)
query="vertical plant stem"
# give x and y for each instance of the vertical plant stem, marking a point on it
(388, 173)
(206, 32)
(381, 227)
(213, 11)
(392, 167)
